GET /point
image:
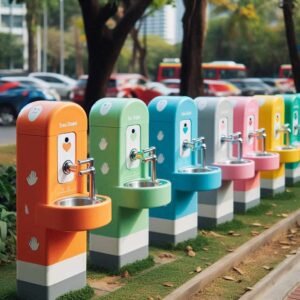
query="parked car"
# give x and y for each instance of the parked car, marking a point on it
(123, 85)
(33, 82)
(218, 88)
(253, 86)
(13, 99)
(281, 85)
(61, 83)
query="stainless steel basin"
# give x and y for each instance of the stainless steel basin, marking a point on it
(260, 154)
(77, 201)
(195, 169)
(141, 183)
(234, 162)
(286, 147)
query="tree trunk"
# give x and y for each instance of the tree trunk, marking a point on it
(31, 20)
(104, 45)
(78, 52)
(132, 62)
(194, 22)
(292, 43)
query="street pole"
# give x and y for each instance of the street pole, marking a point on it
(45, 37)
(11, 32)
(62, 46)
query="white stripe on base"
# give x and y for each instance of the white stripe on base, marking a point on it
(247, 196)
(216, 211)
(292, 173)
(119, 246)
(49, 275)
(272, 184)
(174, 227)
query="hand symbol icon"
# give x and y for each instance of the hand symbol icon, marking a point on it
(32, 178)
(34, 244)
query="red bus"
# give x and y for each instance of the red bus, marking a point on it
(170, 68)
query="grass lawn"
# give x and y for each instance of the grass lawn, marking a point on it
(146, 281)
(209, 247)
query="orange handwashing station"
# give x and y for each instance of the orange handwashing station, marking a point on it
(54, 210)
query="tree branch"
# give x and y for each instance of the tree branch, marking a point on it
(132, 14)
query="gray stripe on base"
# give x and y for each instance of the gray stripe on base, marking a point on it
(162, 239)
(204, 222)
(240, 207)
(290, 181)
(30, 291)
(271, 192)
(115, 262)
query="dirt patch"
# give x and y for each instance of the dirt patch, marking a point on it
(239, 280)
(105, 285)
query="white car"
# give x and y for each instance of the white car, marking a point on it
(61, 83)
(33, 82)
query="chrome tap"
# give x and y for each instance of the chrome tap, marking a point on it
(260, 134)
(197, 144)
(235, 138)
(69, 167)
(286, 131)
(146, 155)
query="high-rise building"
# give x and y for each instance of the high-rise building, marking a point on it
(166, 23)
(13, 21)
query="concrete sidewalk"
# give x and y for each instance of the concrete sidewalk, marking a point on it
(281, 284)
(7, 135)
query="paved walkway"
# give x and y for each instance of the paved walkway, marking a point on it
(295, 294)
(7, 135)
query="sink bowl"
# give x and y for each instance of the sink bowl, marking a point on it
(288, 154)
(264, 161)
(77, 201)
(197, 178)
(144, 193)
(236, 169)
(75, 213)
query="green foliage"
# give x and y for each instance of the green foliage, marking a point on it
(157, 49)
(83, 294)
(11, 52)
(7, 235)
(8, 187)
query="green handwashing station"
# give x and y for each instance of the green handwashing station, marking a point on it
(119, 135)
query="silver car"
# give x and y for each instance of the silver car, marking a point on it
(61, 83)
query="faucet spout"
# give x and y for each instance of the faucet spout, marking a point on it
(197, 144)
(146, 155)
(235, 138)
(286, 131)
(69, 167)
(260, 134)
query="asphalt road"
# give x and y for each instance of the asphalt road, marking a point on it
(7, 135)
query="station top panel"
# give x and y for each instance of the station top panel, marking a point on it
(49, 118)
(118, 112)
(172, 109)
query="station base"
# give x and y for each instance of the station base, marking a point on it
(215, 207)
(292, 173)
(272, 187)
(113, 253)
(164, 231)
(29, 291)
(246, 194)
(40, 282)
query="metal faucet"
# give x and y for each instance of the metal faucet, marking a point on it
(235, 138)
(286, 131)
(260, 134)
(196, 145)
(69, 167)
(146, 155)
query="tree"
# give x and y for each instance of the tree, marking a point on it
(194, 20)
(11, 52)
(288, 9)
(106, 39)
